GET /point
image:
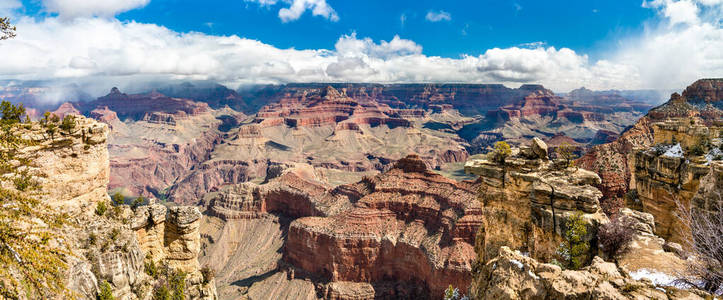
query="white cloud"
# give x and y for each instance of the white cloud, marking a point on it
(8, 6)
(86, 8)
(298, 7)
(437, 16)
(104, 52)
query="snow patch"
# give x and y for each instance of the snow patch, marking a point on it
(533, 275)
(715, 153)
(517, 263)
(675, 151)
(658, 278)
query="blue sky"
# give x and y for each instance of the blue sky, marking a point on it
(639, 44)
(474, 27)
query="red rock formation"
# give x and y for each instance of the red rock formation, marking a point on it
(66, 108)
(613, 161)
(136, 106)
(410, 225)
(320, 107)
(104, 115)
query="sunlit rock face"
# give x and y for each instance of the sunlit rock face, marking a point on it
(527, 200)
(615, 162)
(668, 176)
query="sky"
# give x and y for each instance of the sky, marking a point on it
(599, 44)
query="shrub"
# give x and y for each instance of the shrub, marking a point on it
(208, 274)
(138, 202)
(151, 268)
(101, 208)
(501, 152)
(615, 236)
(92, 239)
(24, 181)
(11, 114)
(114, 234)
(697, 149)
(118, 199)
(178, 285)
(573, 252)
(105, 292)
(704, 237)
(161, 292)
(452, 293)
(567, 153)
(68, 124)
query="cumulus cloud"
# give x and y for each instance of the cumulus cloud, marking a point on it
(684, 46)
(103, 52)
(88, 8)
(109, 51)
(298, 7)
(438, 16)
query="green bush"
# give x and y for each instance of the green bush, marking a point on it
(138, 202)
(697, 150)
(573, 252)
(151, 269)
(11, 114)
(501, 152)
(68, 124)
(105, 292)
(178, 285)
(118, 199)
(161, 293)
(24, 181)
(101, 208)
(114, 234)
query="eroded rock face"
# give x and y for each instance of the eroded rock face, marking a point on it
(172, 236)
(410, 225)
(407, 231)
(614, 162)
(71, 170)
(665, 181)
(526, 203)
(512, 275)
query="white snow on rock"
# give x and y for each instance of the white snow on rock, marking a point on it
(517, 263)
(675, 151)
(658, 278)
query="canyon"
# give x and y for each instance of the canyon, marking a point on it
(207, 135)
(366, 191)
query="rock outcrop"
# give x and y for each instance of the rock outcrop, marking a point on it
(666, 178)
(95, 240)
(527, 200)
(512, 275)
(410, 226)
(614, 161)
(172, 236)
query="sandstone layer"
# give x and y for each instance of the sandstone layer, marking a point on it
(527, 200)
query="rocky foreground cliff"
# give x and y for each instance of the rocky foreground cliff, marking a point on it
(64, 238)
(530, 206)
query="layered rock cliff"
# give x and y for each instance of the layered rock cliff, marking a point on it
(614, 162)
(410, 226)
(668, 175)
(67, 172)
(407, 232)
(527, 200)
